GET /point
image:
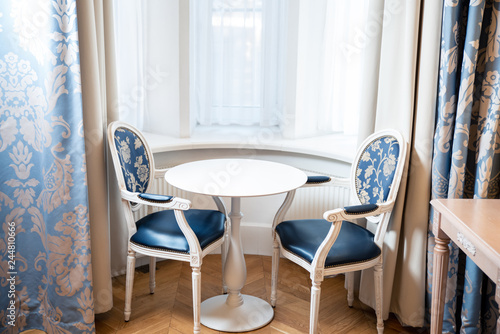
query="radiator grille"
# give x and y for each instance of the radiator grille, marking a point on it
(313, 202)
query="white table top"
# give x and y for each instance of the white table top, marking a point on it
(235, 177)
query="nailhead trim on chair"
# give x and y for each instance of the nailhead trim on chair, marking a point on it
(343, 264)
(172, 251)
(336, 265)
(158, 248)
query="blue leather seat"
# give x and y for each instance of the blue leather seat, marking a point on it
(303, 238)
(160, 229)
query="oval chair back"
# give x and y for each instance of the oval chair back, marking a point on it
(132, 155)
(376, 174)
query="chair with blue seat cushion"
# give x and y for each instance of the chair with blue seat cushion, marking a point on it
(336, 244)
(177, 232)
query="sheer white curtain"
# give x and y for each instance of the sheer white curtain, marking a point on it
(147, 48)
(325, 96)
(237, 61)
(97, 61)
(132, 46)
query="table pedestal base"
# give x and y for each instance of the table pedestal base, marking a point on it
(252, 314)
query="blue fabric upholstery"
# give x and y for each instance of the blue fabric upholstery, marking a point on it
(160, 229)
(133, 159)
(303, 237)
(363, 208)
(375, 170)
(155, 198)
(318, 179)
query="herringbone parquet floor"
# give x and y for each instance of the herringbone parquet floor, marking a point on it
(169, 309)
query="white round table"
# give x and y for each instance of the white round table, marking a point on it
(235, 178)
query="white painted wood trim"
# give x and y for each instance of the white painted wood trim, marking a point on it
(336, 146)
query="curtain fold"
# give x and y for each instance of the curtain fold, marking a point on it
(147, 42)
(45, 240)
(325, 69)
(466, 160)
(408, 302)
(401, 94)
(131, 18)
(99, 95)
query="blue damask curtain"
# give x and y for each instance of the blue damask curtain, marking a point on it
(466, 161)
(45, 271)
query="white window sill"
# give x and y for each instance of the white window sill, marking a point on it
(335, 146)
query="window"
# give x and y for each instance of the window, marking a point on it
(237, 61)
(298, 65)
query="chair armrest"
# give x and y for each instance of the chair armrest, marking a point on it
(330, 181)
(336, 217)
(318, 179)
(162, 201)
(357, 211)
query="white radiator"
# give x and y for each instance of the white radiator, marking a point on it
(313, 202)
(308, 202)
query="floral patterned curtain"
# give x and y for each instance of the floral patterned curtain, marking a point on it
(466, 162)
(45, 271)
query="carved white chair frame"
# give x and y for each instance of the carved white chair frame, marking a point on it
(179, 205)
(317, 268)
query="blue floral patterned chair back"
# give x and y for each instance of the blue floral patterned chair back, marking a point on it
(375, 170)
(134, 159)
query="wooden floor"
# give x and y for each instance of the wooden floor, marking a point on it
(169, 309)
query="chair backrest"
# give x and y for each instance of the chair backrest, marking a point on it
(133, 160)
(378, 168)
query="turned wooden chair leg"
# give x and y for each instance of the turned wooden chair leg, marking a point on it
(152, 274)
(378, 297)
(129, 285)
(349, 277)
(274, 273)
(314, 316)
(196, 281)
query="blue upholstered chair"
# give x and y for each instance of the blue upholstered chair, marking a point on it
(336, 244)
(176, 232)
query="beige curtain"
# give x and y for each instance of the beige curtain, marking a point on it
(95, 28)
(403, 86)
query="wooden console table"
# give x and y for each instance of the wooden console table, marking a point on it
(474, 226)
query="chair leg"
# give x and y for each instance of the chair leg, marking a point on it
(350, 287)
(315, 298)
(129, 284)
(378, 297)
(152, 274)
(274, 273)
(196, 280)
